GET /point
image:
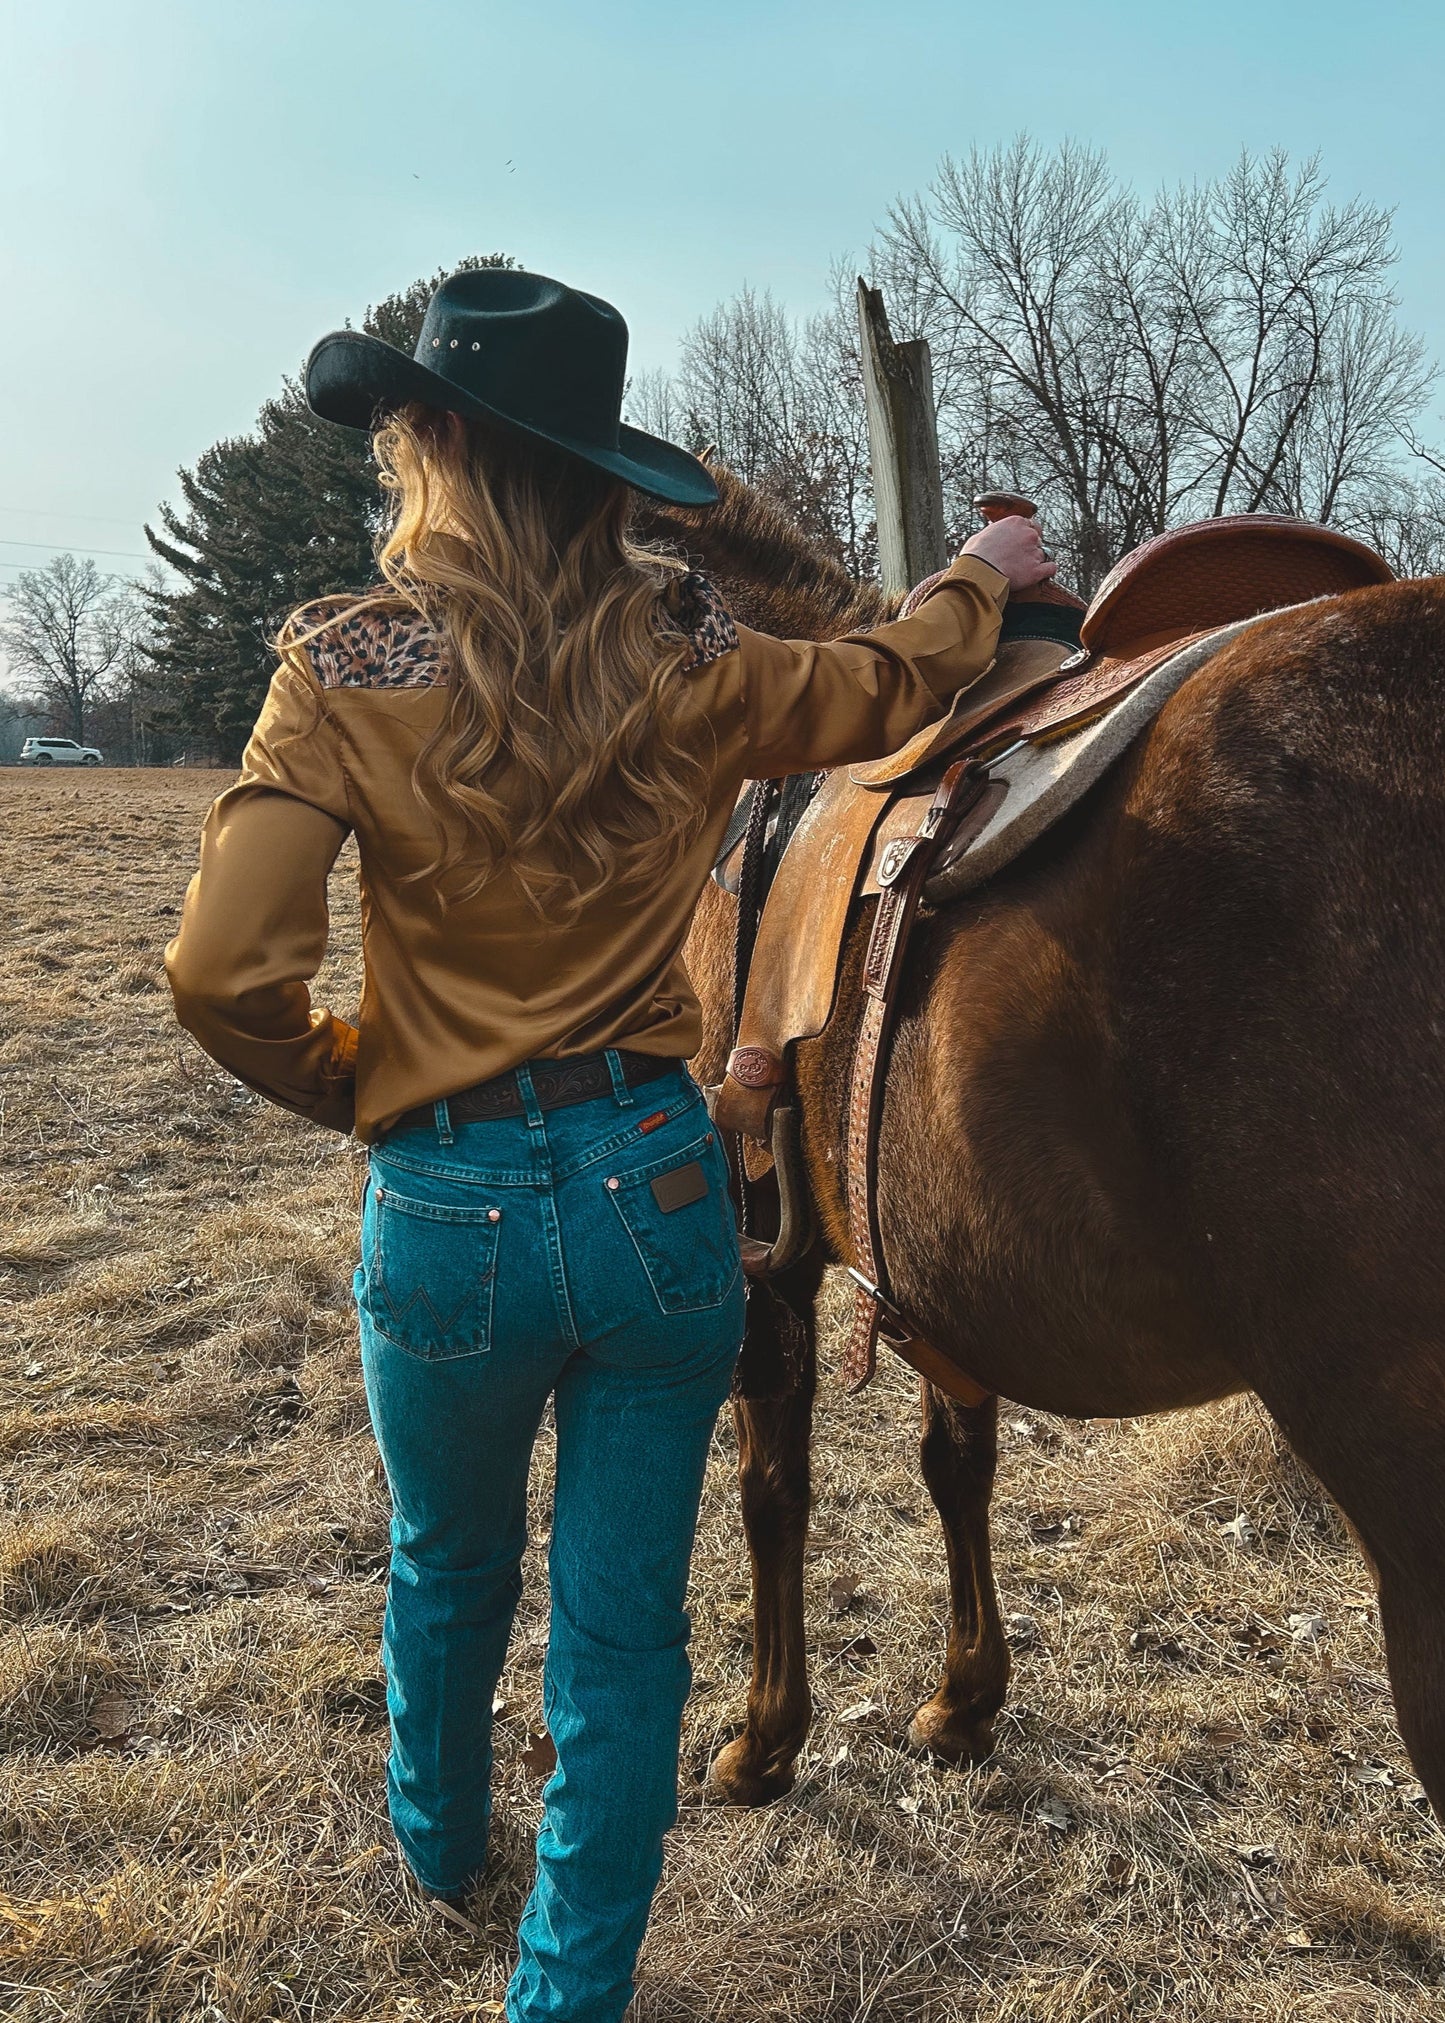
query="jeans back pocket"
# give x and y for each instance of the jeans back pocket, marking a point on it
(429, 1271)
(677, 1212)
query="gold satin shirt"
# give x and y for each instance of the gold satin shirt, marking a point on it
(451, 998)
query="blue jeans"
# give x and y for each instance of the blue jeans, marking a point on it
(587, 1253)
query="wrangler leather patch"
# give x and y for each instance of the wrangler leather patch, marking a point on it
(651, 1123)
(677, 1188)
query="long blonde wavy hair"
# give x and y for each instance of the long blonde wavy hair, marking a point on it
(568, 753)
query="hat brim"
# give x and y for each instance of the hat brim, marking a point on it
(355, 379)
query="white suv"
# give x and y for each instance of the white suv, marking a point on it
(58, 752)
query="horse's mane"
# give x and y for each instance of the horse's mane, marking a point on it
(766, 569)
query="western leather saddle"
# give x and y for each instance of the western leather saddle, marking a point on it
(1068, 692)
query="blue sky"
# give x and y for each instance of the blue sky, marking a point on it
(194, 192)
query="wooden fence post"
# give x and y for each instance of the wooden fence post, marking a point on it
(903, 448)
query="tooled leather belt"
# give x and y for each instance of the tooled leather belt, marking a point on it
(556, 1083)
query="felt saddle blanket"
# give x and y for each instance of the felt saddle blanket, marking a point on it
(1043, 725)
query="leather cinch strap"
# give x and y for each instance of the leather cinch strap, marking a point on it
(901, 877)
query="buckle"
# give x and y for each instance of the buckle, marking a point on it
(881, 1301)
(894, 861)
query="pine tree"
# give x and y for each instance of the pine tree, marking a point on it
(270, 519)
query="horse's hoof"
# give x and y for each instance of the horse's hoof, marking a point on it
(954, 1737)
(738, 1778)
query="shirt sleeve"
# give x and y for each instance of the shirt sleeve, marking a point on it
(863, 696)
(254, 924)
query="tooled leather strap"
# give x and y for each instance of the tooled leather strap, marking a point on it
(901, 875)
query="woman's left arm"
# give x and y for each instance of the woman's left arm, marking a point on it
(254, 925)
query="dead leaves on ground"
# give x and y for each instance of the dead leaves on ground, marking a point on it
(540, 1754)
(844, 1591)
(1055, 1527)
(1178, 1720)
(857, 1650)
(112, 1717)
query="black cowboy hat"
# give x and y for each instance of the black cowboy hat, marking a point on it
(517, 349)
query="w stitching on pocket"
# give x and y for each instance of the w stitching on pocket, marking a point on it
(420, 1301)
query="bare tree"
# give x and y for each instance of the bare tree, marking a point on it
(17, 723)
(1006, 267)
(1307, 376)
(652, 402)
(738, 384)
(782, 402)
(1406, 522)
(1233, 346)
(1131, 363)
(70, 635)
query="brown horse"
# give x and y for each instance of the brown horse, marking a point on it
(1165, 1120)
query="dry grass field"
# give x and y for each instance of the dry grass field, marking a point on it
(1200, 1809)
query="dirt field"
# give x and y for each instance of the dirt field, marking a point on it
(1200, 1808)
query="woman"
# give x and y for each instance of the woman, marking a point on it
(536, 732)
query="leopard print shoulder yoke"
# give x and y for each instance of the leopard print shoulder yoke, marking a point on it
(695, 609)
(374, 648)
(388, 648)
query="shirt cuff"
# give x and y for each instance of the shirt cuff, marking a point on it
(973, 569)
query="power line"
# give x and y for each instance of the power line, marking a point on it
(60, 548)
(28, 568)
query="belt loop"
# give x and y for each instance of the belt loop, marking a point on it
(444, 1121)
(620, 1089)
(529, 1096)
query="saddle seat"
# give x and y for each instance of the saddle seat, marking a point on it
(1217, 571)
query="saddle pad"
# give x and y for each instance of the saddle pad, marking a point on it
(1044, 780)
(1057, 712)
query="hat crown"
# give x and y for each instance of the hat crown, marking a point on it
(520, 350)
(551, 356)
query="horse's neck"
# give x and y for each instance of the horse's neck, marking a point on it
(771, 576)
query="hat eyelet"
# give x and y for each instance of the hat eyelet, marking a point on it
(436, 344)
(454, 343)
(476, 344)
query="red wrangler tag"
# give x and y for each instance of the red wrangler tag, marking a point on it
(651, 1123)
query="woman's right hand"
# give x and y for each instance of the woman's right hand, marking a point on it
(1015, 547)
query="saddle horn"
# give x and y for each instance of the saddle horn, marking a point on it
(1004, 506)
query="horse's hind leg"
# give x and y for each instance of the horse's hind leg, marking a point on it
(773, 1411)
(1379, 1449)
(1407, 1558)
(1412, 1612)
(960, 1453)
